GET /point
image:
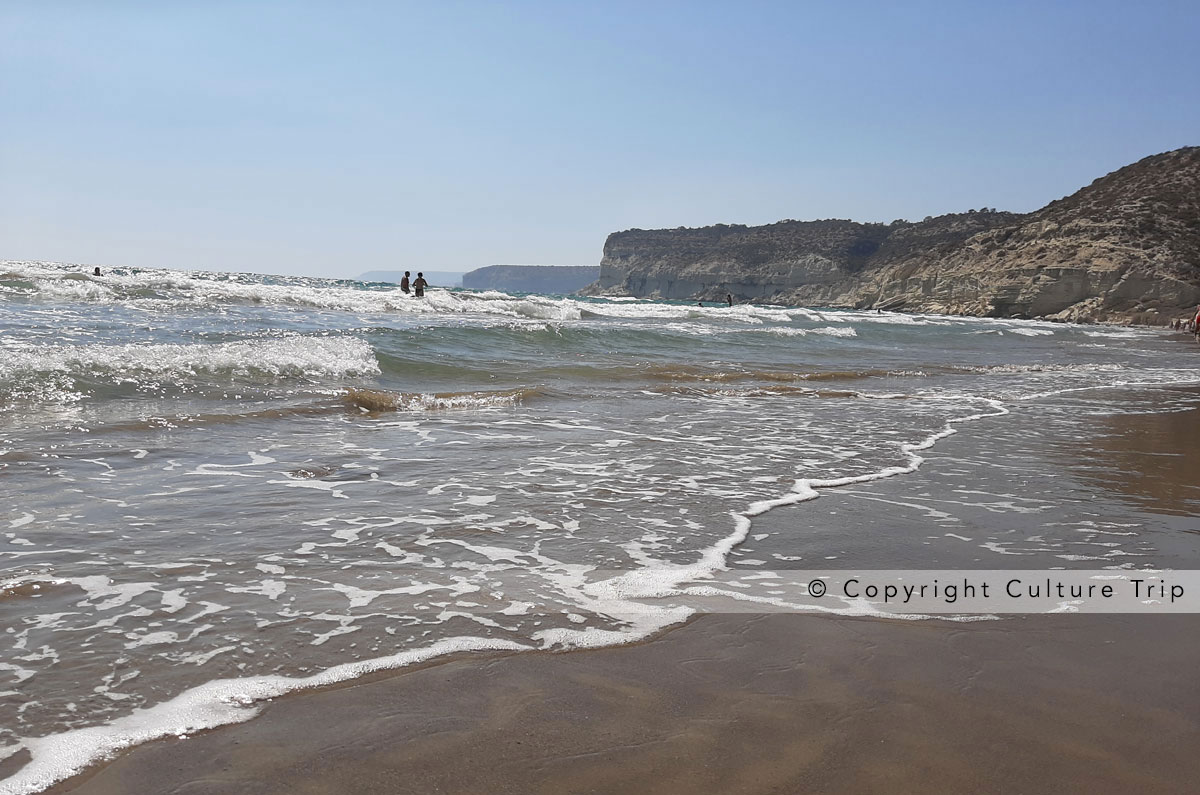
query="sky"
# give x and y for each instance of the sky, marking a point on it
(328, 139)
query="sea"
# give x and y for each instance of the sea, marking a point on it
(220, 488)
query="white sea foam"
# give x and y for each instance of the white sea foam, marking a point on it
(1000, 369)
(636, 597)
(827, 331)
(47, 373)
(623, 594)
(1120, 333)
(157, 288)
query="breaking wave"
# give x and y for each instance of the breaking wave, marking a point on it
(827, 331)
(378, 400)
(61, 372)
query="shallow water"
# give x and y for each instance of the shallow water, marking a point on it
(221, 487)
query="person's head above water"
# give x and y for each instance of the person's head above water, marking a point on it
(96, 272)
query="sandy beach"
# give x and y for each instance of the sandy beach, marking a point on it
(755, 703)
(535, 398)
(737, 704)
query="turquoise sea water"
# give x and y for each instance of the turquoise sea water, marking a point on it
(221, 487)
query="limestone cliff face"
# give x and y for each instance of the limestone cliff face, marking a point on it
(1126, 245)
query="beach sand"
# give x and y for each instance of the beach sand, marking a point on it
(738, 704)
(757, 703)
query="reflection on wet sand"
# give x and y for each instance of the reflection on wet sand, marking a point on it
(1147, 459)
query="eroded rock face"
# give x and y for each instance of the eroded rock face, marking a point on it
(1125, 247)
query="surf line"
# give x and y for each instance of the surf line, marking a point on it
(806, 489)
(221, 702)
(668, 580)
(1190, 377)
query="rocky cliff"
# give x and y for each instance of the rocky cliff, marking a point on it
(1125, 247)
(551, 279)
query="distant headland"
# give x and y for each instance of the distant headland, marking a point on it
(546, 279)
(553, 279)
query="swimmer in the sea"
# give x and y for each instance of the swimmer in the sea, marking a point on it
(419, 285)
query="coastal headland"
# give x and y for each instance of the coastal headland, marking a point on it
(1124, 249)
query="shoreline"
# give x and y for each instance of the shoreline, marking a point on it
(663, 643)
(1118, 320)
(732, 703)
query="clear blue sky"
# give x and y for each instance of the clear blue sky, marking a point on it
(334, 138)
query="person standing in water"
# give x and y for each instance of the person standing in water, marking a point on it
(729, 298)
(419, 285)
(404, 282)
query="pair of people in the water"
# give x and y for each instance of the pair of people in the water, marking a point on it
(418, 286)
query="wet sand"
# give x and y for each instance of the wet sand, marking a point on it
(738, 704)
(1147, 459)
(755, 704)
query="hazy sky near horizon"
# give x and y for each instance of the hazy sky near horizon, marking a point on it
(335, 138)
